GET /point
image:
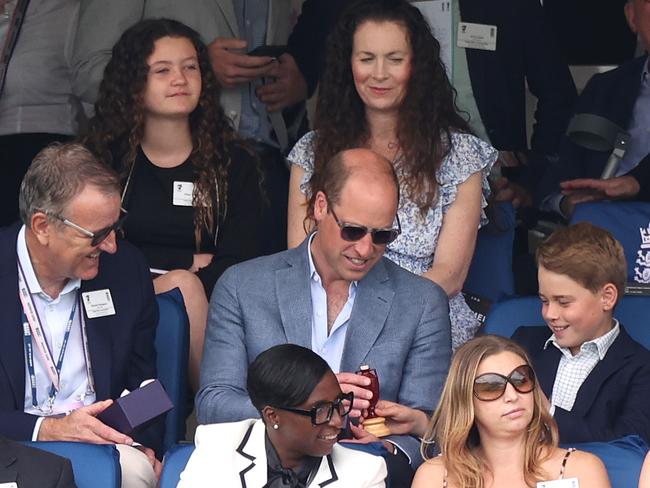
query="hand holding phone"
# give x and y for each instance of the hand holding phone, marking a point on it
(268, 51)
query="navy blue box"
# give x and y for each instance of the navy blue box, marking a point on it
(138, 408)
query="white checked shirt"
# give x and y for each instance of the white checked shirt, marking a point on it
(573, 370)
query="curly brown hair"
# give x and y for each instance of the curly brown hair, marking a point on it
(426, 116)
(116, 130)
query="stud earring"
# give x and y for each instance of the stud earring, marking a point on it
(276, 426)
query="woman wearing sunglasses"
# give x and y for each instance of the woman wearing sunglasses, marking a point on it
(384, 87)
(493, 430)
(191, 190)
(293, 445)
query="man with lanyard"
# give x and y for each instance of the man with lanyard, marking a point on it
(79, 314)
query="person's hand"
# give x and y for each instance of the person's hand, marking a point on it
(619, 188)
(358, 385)
(82, 426)
(233, 68)
(200, 261)
(401, 419)
(362, 436)
(508, 191)
(287, 88)
(151, 456)
(573, 198)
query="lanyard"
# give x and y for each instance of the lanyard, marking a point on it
(33, 331)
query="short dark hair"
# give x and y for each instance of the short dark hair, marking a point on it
(59, 173)
(284, 375)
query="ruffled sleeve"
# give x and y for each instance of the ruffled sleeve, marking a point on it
(468, 155)
(302, 155)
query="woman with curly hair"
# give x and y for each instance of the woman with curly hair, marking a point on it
(384, 87)
(191, 190)
(492, 428)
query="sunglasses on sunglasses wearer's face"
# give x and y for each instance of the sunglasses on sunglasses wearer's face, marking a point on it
(492, 386)
(98, 236)
(355, 232)
(321, 413)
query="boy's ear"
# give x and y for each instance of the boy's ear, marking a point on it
(609, 295)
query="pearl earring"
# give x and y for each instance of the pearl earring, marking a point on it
(276, 426)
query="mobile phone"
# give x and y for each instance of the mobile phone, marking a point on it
(270, 51)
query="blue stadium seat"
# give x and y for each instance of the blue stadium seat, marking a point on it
(506, 316)
(172, 349)
(623, 458)
(94, 466)
(490, 273)
(629, 222)
(174, 464)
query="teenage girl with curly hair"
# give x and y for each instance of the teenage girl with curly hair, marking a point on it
(191, 189)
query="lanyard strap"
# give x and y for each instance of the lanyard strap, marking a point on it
(32, 329)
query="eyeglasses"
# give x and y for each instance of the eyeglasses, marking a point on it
(492, 386)
(322, 412)
(98, 236)
(354, 232)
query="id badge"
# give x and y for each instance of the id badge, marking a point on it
(565, 483)
(183, 191)
(9, 485)
(98, 303)
(477, 36)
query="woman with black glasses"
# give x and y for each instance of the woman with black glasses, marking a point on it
(191, 189)
(493, 430)
(302, 411)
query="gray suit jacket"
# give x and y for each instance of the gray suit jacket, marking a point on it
(399, 325)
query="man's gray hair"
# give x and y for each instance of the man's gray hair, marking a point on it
(59, 173)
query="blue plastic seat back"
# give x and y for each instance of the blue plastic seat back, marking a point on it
(629, 222)
(174, 464)
(506, 316)
(490, 273)
(623, 458)
(172, 349)
(94, 465)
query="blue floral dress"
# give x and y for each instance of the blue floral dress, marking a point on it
(414, 249)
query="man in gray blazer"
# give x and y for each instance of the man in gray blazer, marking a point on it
(338, 295)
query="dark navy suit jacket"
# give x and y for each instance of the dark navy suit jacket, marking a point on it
(611, 95)
(31, 467)
(614, 400)
(526, 52)
(121, 346)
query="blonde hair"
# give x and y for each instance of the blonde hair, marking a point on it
(453, 429)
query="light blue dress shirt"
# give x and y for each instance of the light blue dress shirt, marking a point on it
(328, 346)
